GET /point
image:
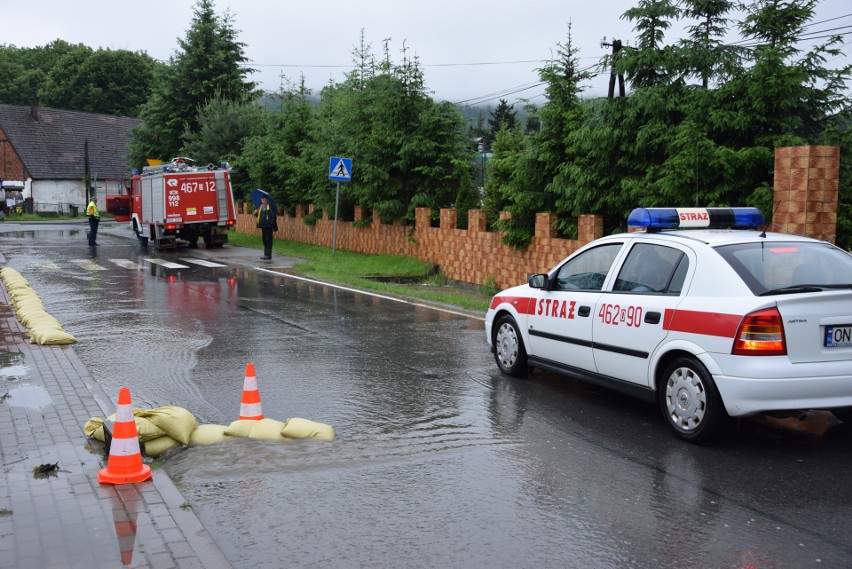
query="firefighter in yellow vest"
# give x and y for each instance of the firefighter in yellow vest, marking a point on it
(94, 219)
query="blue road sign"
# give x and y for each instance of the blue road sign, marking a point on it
(340, 169)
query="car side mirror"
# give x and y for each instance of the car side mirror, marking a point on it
(538, 281)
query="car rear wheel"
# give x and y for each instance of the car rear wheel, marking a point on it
(509, 351)
(689, 400)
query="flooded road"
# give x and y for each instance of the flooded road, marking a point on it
(439, 460)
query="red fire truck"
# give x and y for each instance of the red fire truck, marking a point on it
(178, 201)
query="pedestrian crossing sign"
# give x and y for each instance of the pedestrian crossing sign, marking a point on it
(340, 169)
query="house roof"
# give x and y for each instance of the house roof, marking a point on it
(51, 142)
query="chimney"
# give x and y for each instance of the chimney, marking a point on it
(34, 111)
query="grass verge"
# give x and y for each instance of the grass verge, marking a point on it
(350, 269)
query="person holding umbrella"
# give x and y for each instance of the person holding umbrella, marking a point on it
(267, 221)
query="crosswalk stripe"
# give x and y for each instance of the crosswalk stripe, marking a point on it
(202, 262)
(127, 264)
(88, 264)
(164, 263)
(46, 266)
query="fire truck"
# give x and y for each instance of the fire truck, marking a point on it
(178, 202)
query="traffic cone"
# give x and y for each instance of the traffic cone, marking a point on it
(250, 404)
(124, 465)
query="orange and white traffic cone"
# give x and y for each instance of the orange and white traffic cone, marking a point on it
(250, 404)
(124, 465)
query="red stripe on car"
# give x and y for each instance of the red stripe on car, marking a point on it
(522, 304)
(708, 323)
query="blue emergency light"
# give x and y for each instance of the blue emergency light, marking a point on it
(657, 218)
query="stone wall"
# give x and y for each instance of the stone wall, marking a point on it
(806, 193)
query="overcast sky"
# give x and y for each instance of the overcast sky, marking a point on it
(470, 51)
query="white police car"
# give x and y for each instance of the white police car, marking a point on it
(708, 323)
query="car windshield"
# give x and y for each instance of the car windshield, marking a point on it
(773, 267)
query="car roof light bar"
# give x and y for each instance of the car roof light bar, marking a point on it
(657, 218)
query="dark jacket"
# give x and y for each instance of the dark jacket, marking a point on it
(267, 217)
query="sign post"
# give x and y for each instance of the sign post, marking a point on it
(340, 170)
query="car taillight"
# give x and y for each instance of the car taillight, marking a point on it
(760, 333)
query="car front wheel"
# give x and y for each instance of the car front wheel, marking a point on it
(509, 352)
(689, 400)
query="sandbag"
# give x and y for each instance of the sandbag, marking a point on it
(41, 319)
(145, 429)
(267, 430)
(176, 422)
(50, 337)
(208, 435)
(297, 428)
(94, 427)
(156, 447)
(240, 428)
(264, 429)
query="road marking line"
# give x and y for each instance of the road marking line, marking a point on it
(88, 264)
(164, 263)
(382, 296)
(201, 262)
(46, 266)
(127, 264)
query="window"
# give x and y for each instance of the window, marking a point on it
(652, 268)
(767, 266)
(588, 270)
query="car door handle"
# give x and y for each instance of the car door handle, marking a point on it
(584, 311)
(652, 318)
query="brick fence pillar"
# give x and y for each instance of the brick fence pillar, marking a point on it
(806, 191)
(545, 225)
(476, 220)
(360, 213)
(449, 218)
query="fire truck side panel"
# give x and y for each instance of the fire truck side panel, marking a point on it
(191, 198)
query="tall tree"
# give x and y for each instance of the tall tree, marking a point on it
(276, 159)
(104, 81)
(704, 53)
(503, 115)
(542, 178)
(650, 63)
(407, 150)
(210, 62)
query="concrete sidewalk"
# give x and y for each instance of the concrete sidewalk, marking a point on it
(65, 518)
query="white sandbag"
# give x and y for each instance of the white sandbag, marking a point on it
(176, 422)
(297, 428)
(208, 435)
(240, 428)
(267, 430)
(46, 336)
(158, 446)
(94, 427)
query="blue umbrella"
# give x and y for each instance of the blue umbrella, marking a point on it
(257, 194)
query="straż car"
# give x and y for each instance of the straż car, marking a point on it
(707, 322)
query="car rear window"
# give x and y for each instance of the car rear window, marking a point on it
(773, 267)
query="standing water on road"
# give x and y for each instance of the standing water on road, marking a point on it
(439, 461)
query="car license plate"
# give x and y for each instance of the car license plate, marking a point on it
(838, 336)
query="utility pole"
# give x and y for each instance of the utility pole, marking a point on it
(616, 46)
(86, 175)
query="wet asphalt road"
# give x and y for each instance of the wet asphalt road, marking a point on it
(439, 461)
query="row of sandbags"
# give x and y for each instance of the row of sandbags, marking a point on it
(164, 428)
(43, 328)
